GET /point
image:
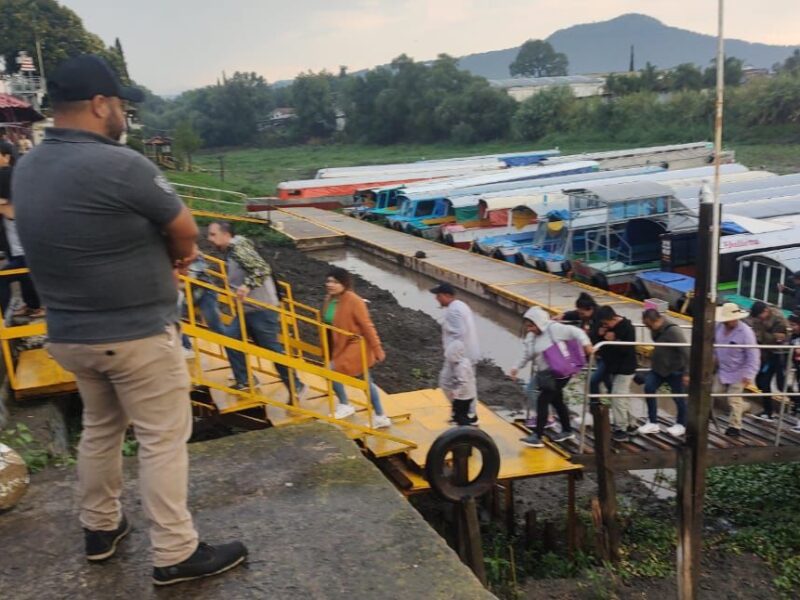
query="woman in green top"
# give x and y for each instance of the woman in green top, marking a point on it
(347, 311)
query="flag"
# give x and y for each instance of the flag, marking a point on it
(25, 62)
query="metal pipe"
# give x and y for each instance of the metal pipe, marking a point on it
(714, 275)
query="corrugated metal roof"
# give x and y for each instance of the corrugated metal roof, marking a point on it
(621, 192)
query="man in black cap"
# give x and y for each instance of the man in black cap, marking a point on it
(103, 232)
(458, 325)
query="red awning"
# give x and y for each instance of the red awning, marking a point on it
(14, 110)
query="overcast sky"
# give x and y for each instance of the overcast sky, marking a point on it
(174, 45)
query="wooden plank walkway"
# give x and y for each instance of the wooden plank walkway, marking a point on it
(304, 233)
(660, 451)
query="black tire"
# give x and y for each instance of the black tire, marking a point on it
(566, 267)
(473, 438)
(448, 239)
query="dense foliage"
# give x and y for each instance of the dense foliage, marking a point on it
(537, 58)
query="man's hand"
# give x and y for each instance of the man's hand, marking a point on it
(513, 373)
(242, 291)
(746, 382)
(182, 264)
(685, 381)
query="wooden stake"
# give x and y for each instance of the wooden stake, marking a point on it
(607, 491)
(692, 455)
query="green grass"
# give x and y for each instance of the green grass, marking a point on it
(257, 171)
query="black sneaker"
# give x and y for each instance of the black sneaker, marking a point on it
(733, 432)
(101, 545)
(632, 430)
(532, 440)
(765, 417)
(620, 435)
(562, 437)
(206, 561)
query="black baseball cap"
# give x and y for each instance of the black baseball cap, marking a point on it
(444, 288)
(86, 76)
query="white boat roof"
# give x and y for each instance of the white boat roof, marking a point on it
(442, 187)
(787, 257)
(729, 244)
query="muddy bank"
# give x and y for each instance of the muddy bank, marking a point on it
(411, 338)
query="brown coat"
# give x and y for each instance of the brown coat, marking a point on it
(352, 315)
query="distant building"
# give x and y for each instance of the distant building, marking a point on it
(522, 88)
(749, 73)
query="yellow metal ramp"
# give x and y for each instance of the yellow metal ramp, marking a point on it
(429, 414)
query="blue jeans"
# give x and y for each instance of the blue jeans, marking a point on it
(206, 303)
(773, 367)
(599, 375)
(374, 396)
(652, 382)
(264, 327)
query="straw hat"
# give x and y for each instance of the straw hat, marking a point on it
(730, 312)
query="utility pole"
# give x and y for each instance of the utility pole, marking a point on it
(692, 454)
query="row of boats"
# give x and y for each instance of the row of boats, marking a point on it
(623, 220)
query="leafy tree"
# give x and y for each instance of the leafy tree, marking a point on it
(791, 65)
(59, 30)
(186, 142)
(685, 76)
(124, 65)
(732, 74)
(546, 112)
(537, 58)
(313, 99)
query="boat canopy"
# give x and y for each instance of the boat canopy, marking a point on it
(788, 258)
(622, 192)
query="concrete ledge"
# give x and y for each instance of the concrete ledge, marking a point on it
(320, 521)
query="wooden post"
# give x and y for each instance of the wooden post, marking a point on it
(571, 515)
(469, 543)
(605, 480)
(692, 454)
(511, 524)
(222, 168)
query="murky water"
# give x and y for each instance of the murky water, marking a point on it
(499, 329)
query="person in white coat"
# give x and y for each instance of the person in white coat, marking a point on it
(458, 324)
(543, 333)
(457, 380)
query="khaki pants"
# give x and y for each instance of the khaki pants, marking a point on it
(621, 407)
(737, 404)
(144, 382)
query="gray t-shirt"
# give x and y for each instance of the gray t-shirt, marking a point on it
(90, 214)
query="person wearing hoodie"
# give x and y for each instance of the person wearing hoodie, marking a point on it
(251, 277)
(668, 364)
(543, 333)
(457, 380)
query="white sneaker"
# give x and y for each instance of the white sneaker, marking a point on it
(302, 392)
(796, 428)
(381, 422)
(343, 411)
(676, 430)
(648, 428)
